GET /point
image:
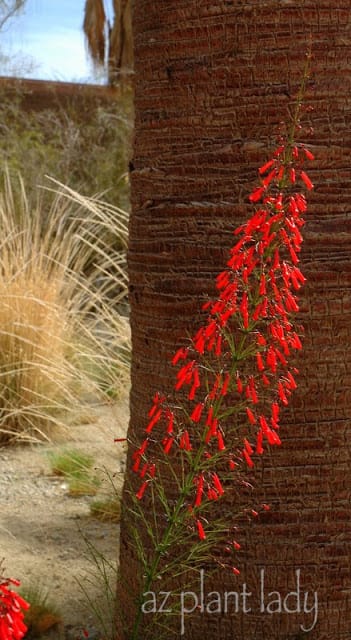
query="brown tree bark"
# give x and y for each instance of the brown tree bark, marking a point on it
(213, 80)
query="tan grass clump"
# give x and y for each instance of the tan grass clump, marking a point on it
(53, 307)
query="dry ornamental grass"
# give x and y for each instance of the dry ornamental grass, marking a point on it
(63, 282)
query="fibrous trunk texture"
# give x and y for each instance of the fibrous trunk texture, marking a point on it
(214, 78)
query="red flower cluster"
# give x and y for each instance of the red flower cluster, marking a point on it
(234, 376)
(12, 605)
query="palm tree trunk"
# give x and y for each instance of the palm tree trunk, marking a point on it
(213, 82)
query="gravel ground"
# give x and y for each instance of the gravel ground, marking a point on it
(43, 529)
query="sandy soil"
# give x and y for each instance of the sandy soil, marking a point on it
(43, 529)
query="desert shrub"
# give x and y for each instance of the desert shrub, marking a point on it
(56, 310)
(85, 146)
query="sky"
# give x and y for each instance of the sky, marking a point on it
(46, 41)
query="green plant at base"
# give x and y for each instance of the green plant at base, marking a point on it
(77, 468)
(43, 614)
(101, 579)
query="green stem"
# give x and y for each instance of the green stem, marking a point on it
(162, 546)
(196, 466)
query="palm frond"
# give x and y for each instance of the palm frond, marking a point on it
(94, 27)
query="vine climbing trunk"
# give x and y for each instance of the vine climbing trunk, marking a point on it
(213, 80)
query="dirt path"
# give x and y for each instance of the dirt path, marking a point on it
(42, 528)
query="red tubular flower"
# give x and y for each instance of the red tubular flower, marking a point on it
(250, 416)
(253, 393)
(225, 384)
(262, 289)
(259, 441)
(266, 166)
(276, 263)
(222, 280)
(248, 458)
(281, 357)
(152, 470)
(136, 465)
(209, 417)
(298, 275)
(181, 354)
(271, 359)
(295, 341)
(170, 425)
(309, 155)
(197, 412)
(184, 375)
(12, 606)
(282, 394)
(279, 151)
(220, 441)
(230, 292)
(238, 246)
(248, 446)
(137, 455)
(291, 380)
(200, 530)
(199, 341)
(153, 421)
(218, 349)
(143, 470)
(280, 174)
(215, 387)
(142, 448)
(213, 427)
(257, 194)
(290, 302)
(217, 484)
(141, 491)
(259, 360)
(199, 490)
(272, 437)
(263, 423)
(306, 179)
(167, 445)
(275, 411)
(184, 441)
(301, 202)
(261, 340)
(265, 380)
(244, 310)
(268, 179)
